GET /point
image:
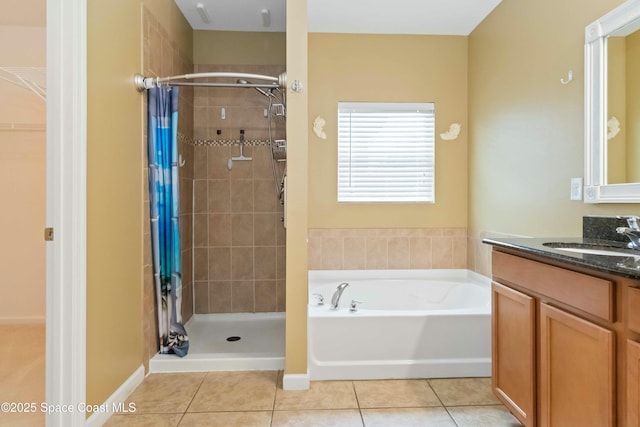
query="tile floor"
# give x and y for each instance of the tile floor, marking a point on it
(22, 361)
(256, 398)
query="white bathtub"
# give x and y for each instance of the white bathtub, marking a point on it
(411, 324)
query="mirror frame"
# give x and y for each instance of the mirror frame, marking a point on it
(596, 189)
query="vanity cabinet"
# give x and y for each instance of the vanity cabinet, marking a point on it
(576, 371)
(513, 350)
(554, 344)
(633, 383)
(633, 357)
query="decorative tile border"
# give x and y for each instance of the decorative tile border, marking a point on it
(221, 142)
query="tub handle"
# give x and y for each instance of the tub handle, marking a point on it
(319, 299)
(354, 305)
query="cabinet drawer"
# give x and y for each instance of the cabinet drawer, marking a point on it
(587, 293)
(633, 309)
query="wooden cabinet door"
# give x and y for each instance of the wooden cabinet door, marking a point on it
(576, 371)
(633, 384)
(513, 351)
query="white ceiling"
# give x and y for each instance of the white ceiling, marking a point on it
(444, 17)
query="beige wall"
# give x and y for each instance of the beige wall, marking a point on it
(296, 208)
(115, 188)
(22, 174)
(238, 47)
(388, 68)
(526, 129)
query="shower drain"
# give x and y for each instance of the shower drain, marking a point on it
(231, 339)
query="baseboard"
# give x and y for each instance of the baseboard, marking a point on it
(25, 320)
(295, 381)
(117, 399)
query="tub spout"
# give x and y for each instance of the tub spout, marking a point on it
(335, 299)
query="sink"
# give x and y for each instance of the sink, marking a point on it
(594, 249)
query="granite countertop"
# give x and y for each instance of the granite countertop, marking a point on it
(627, 266)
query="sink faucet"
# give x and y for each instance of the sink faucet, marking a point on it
(632, 231)
(335, 299)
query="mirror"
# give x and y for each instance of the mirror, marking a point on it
(612, 107)
(623, 105)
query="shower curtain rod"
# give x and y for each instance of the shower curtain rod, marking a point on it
(143, 83)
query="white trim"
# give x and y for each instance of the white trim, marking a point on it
(296, 381)
(66, 209)
(596, 189)
(165, 363)
(118, 397)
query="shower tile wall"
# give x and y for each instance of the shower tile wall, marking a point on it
(239, 239)
(162, 57)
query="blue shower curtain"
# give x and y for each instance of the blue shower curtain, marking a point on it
(162, 146)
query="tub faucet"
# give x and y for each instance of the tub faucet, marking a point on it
(335, 299)
(632, 231)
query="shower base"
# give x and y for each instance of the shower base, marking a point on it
(260, 347)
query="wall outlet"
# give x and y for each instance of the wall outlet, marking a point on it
(576, 188)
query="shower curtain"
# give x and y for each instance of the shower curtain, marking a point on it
(162, 146)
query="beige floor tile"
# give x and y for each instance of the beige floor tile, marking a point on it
(166, 393)
(23, 358)
(320, 395)
(395, 394)
(148, 420)
(464, 391)
(483, 416)
(318, 418)
(227, 419)
(407, 417)
(22, 420)
(236, 391)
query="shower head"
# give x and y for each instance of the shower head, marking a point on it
(262, 91)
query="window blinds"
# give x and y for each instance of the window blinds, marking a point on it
(386, 152)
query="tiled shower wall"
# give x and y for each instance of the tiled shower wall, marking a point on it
(162, 57)
(239, 239)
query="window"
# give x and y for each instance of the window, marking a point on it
(386, 152)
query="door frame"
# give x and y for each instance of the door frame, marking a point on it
(66, 212)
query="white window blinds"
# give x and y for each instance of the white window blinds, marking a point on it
(386, 152)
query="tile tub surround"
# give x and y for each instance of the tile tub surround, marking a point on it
(256, 398)
(387, 248)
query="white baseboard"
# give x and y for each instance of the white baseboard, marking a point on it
(296, 381)
(23, 320)
(118, 397)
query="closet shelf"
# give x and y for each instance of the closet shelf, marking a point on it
(28, 127)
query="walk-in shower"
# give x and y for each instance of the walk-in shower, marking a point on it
(238, 239)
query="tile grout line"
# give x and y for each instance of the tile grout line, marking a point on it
(193, 397)
(355, 393)
(446, 408)
(275, 394)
